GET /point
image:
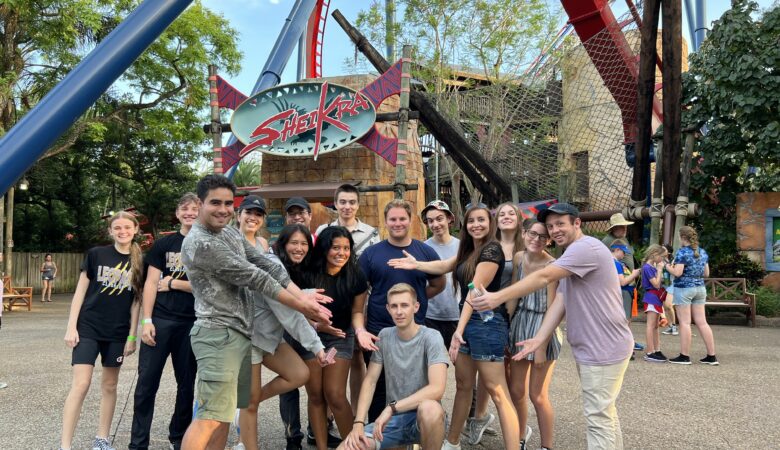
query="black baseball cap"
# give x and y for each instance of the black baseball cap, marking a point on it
(297, 201)
(253, 202)
(558, 208)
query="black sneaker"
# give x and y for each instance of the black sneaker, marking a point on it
(681, 359)
(294, 444)
(655, 357)
(662, 355)
(710, 359)
(632, 357)
(333, 441)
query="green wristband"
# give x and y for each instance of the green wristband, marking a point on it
(131, 338)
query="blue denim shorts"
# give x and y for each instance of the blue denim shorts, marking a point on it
(696, 295)
(344, 346)
(485, 341)
(401, 430)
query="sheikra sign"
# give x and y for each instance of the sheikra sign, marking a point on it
(302, 119)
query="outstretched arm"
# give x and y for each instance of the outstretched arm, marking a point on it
(531, 283)
(409, 262)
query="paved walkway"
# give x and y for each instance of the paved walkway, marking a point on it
(734, 405)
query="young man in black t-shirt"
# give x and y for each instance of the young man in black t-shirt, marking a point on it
(168, 315)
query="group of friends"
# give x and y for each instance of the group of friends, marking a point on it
(341, 307)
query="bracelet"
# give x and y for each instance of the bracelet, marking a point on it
(170, 281)
(131, 338)
(359, 422)
(146, 321)
(358, 330)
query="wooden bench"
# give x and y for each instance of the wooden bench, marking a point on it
(731, 293)
(13, 295)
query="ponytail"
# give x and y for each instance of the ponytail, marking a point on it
(690, 235)
(137, 271)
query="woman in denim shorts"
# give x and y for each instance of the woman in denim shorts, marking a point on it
(690, 267)
(478, 344)
(334, 268)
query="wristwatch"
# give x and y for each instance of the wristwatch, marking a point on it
(392, 406)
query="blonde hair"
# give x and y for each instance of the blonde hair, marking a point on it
(518, 239)
(399, 203)
(136, 257)
(690, 235)
(402, 288)
(653, 251)
(186, 198)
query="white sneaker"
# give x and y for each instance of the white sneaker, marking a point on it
(528, 433)
(447, 446)
(3, 385)
(477, 428)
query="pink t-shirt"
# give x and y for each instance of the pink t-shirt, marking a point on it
(596, 326)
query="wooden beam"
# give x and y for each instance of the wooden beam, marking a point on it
(671, 35)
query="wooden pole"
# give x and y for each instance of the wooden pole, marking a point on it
(681, 208)
(672, 89)
(403, 122)
(2, 233)
(644, 115)
(9, 232)
(656, 208)
(216, 120)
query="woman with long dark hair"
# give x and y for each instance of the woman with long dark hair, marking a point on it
(48, 274)
(333, 267)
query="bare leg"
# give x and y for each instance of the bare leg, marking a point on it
(219, 438)
(247, 417)
(291, 369)
(684, 317)
(650, 330)
(82, 377)
(465, 374)
(316, 405)
(700, 318)
(483, 398)
(200, 433)
(43, 291)
(335, 388)
(518, 389)
(495, 382)
(430, 419)
(541, 376)
(669, 308)
(357, 372)
(108, 383)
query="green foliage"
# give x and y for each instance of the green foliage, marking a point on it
(737, 265)
(733, 88)
(767, 302)
(248, 172)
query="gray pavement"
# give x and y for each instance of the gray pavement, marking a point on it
(734, 405)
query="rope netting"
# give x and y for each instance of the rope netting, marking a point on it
(557, 131)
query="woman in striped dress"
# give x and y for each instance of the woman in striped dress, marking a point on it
(530, 377)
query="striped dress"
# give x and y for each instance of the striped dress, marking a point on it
(527, 320)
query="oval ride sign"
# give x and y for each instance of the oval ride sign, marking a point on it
(302, 119)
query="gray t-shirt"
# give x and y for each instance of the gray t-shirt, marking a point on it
(596, 326)
(219, 265)
(406, 362)
(444, 306)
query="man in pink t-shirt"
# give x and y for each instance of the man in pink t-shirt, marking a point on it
(597, 331)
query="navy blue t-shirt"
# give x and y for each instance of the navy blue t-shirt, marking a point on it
(382, 277)
(165, 256)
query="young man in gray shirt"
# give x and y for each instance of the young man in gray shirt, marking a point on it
(219, 263)
(415, 364)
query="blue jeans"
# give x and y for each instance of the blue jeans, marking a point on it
(400, 430)
(485, 341)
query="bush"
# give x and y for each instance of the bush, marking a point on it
(767, 302)
(737, 266)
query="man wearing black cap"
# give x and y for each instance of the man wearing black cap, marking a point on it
(297, 210)
(597, 331)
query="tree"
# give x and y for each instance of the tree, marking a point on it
(733, 89)
(135, 146)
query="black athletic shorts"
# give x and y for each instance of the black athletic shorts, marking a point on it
(87, 350)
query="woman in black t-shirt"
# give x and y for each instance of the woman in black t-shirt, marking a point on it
(333, 268)
(103, 317)
(478, 344)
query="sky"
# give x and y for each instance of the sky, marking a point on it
(259, 21)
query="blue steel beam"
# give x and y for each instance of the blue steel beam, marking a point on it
(291, 33)
(63, 105)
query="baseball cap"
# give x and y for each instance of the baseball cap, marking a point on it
(297, 201)
(253, 202)
(437, 205)
(558, 208)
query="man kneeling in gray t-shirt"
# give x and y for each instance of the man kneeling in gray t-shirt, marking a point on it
(415, 363)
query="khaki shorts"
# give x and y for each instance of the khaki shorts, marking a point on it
(224, 372)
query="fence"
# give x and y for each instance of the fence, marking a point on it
(27, 271)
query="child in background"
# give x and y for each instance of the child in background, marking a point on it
(668, 305)
(652, 274)
(627, 277)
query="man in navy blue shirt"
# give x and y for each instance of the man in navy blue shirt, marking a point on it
(381, 277)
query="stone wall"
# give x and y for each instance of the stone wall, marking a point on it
(751, 229)
(353, 163)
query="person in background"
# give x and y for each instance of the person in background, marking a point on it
(48, 274)
(652, 282)
(690, 268)
(102, 321)
(168, 314)
(251, 219)
(298, 210)
(671, 313)
(626, 277)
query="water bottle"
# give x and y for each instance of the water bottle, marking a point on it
(484, 315)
